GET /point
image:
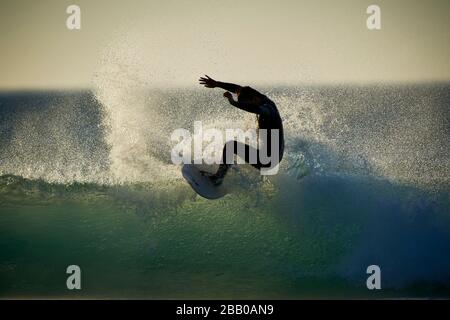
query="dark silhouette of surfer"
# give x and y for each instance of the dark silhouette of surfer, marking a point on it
(268, 117)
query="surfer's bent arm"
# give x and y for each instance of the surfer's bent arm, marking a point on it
(241, 105)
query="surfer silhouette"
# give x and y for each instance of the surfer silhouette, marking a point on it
(268, 117)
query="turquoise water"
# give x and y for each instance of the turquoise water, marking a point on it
(365, 181)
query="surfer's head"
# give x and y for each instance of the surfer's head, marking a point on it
(250, 96)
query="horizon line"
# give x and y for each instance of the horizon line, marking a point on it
(262, 85)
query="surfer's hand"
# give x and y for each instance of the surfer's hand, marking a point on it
(228, 95)
(208, 82)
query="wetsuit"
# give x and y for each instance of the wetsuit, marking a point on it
(268, 118)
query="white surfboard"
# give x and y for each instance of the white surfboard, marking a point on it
(202, 184)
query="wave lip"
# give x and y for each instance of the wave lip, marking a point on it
(120, 132)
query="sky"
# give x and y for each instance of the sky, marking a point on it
(164, 42)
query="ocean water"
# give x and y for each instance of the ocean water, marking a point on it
(86, 179)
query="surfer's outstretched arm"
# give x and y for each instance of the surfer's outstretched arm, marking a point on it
(229, 86)
(211, 83)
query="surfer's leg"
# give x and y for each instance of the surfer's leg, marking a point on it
(237, 147)
(248, 153)
(217, 178)
(267, 154)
